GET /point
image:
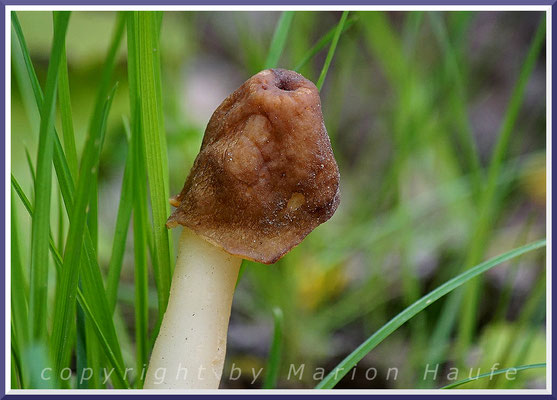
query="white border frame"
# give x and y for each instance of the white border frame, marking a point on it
(7, 189)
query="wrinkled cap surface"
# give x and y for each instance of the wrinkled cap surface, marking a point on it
(265, 176)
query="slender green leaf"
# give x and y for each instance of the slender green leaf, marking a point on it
(146, 100)
(70, 151)
(140, 223)
(61, 223)
(92, 345)
(30, 164)
(68, 134)
(279, 39)
(332, 49)
(275, 354)
(41, 221)
(120, 233)
(23, 84)
(33, 81)
(96, 117)
(353, 358)
(19, 293)
(514, 370)
(81, 360)
(27, 204)
(64, 305)
(15, 369)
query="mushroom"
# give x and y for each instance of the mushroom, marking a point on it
(264, 178)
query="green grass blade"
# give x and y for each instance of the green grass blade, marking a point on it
(64, 306)
(41, 222)
(332, 49)
(494, 373)
(96, 117)
(467, 322)
(81, 360)
(19, 293)
(279, 39)
(28, 206)
(30, 164)
(34, 82)
(120, 233)
(140, 224)
(68, 137)
(23, 84)
(144, 94)
(15, 368)
(61, 223)
(68, 134)
(353, 358)
(120, 380)
(275, 354)
(321, 43)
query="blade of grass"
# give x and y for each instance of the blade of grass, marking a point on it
(19, 293)
(140, 222)
(34, 83)
(275, 354)
(92, 344)
(467, 321)
(321, 43)
(70, 151)
(120, 232)
(332, 49)
(30, 164)
(81, 351)
(143, 55)
(353, 358)
(23, 85)
(102, 93)
(28, 206)
(68, 134)
(279, 39)
(41, 222)
(64, 306)
(15, 368)
(494, 373)
(61, 223)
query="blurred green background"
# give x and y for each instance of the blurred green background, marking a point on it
(415, 104)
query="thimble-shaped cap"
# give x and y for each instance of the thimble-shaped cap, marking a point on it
(265, 176)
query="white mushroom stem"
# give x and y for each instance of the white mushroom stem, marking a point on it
(190, 349)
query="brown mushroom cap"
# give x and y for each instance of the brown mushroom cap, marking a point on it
(265, 176)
